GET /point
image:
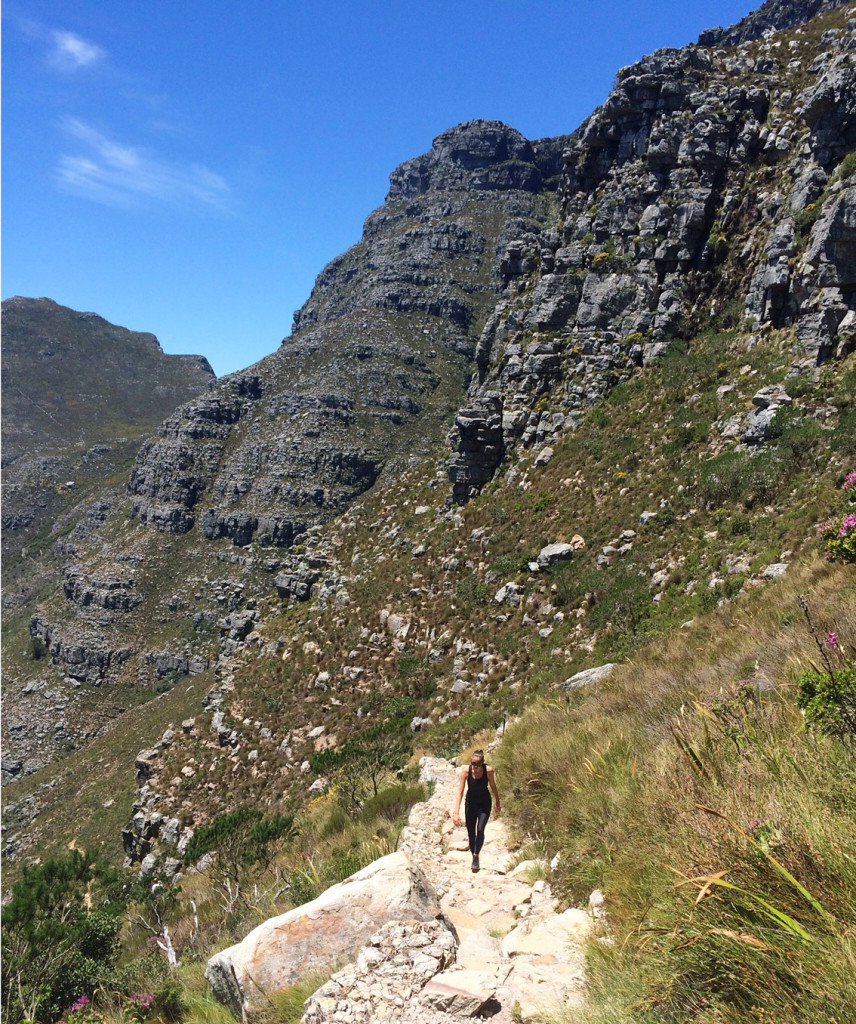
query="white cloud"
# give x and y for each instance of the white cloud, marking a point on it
(71, 52)
(123, 175)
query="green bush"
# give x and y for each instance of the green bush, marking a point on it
(60, 935)
(210, 837)
(471, 591)
(244, 835)
(622, 599)
(797, 436)
(392, 803)
(738, 477)
(828, 701)
(505, 565)
(408, 664)
(169, 1004)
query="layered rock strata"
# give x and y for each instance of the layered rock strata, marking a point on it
(711, 184)
(388, 327)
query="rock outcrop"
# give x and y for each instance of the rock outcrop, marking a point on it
(331, 928)
(385, 325)
(705, 178)
(771, 16)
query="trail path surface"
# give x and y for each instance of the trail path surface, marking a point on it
(516, 957)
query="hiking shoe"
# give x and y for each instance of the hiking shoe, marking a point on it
(475, 864)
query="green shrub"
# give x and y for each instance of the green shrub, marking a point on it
(622, 599)
(392, 803)
(60, 935)
(168, 1003)
(738, 477)
(797, 436)
(505, 565)
(471, 591)
(542, 502)
(210, 837)
(242, 836)
(828, 701)
(408, 664)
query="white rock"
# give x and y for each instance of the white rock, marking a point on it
(332, 928)
(556, 552)
(460, 993)
(550, 937)
(775, 571)
(588, 676)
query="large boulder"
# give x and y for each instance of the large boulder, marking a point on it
(329, 929)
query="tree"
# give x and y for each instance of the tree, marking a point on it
(363, 763)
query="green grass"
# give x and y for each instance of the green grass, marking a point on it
(720, 831)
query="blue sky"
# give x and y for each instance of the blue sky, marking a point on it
(189, 168)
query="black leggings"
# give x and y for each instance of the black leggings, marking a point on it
(476, 817)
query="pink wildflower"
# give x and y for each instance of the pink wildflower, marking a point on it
(847, 524)
(832, 640)
(849, 481)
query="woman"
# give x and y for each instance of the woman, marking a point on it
(477, 777)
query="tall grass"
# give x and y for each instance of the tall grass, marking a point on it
(721, 831)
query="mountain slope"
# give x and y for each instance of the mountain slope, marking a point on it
(378, 362)
(72, 378)
(79, 394)
(659, 310)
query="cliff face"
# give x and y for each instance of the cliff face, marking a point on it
(772, 16)
(377, 353)
(710, 186)
(514, 282)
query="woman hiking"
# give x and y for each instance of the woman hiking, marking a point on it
(477, 777)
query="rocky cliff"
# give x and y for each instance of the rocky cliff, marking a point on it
(376, 357)
(376, 363)
(711, 187)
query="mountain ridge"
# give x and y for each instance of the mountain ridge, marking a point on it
(648, 370)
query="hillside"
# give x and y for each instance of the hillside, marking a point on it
(376, 365)
(79, 395)
(569, 405)
(73, 379)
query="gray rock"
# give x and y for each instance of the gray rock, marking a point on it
(459, 993)
(331, 928)
(589, 676)
(556, 552)
(775, 571)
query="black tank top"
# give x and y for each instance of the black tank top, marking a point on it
(477, 787)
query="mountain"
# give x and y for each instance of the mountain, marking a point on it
(73, 379)
(79, 394)
(377, 363)
(571, 404)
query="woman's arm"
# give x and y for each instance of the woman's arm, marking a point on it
(456, 814)
(492, 783)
